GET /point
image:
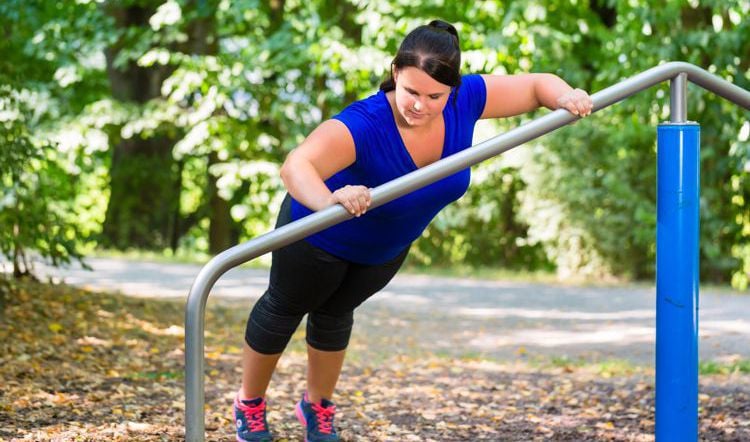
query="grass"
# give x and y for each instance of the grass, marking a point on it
(156, 375)
(619, 367)
(606, 368)
(263, 262)
(491, 273)
(167, 257)
(713, 367)
(456, 271)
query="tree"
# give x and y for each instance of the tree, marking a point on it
(144, 186)
(599, 176)
(174, 138)
(36, 214)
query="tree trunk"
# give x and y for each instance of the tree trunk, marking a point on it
(220, 227)
(202, 40)
(143, 195)
(143, 172)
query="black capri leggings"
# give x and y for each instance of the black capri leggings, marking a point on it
(306, 279)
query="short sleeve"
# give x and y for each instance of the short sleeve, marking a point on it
(355, 119)
(472, 95)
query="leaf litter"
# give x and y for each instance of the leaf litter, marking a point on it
(84, 366)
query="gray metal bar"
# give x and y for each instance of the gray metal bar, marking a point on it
(221, 263)
(678, 99)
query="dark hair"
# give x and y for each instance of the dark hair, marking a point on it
(432, 48)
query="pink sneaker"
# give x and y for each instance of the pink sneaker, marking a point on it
(250, 420)
(317, 420)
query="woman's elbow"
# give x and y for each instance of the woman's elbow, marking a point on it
(286, 168)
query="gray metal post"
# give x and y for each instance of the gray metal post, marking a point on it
(220, 264)
(678, 99)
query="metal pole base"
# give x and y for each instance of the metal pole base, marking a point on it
(677, 283)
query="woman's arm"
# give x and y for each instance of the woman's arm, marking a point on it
(509, 95)
(327, 150)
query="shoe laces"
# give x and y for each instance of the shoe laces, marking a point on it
(255, 415)
(324, 416)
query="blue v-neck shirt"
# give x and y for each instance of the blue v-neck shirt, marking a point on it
(381, 156)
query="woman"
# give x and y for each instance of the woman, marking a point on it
(424, 112)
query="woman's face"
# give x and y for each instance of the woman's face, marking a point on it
(419, 97)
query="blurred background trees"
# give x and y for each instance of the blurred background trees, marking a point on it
(160, 125)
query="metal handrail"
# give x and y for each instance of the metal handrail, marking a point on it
(223, 262)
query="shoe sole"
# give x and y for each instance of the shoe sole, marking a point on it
(239, 439)
(301, 418)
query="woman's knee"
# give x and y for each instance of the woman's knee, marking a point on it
(271, 324)
(329, 332)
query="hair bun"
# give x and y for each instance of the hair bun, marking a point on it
(432, 48)
(445, 26)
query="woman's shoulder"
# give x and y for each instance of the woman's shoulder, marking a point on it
(471, 77)
(472, 81)
(367, 112)
(371, 107)
(365, 118)
(472, 95)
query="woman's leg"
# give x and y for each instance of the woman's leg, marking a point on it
(302, 277)
(323, 370)
(257, 369)
(299, 284)
(329, 326)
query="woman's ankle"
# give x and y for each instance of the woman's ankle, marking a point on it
(248, 395)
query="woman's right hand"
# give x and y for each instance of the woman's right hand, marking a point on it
(355, 199)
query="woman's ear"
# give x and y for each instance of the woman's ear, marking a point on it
(394, 74)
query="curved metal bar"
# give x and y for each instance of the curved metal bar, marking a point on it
(221, 263)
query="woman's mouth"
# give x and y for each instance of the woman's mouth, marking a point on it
(414, 114)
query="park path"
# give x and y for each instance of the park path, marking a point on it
(467, 317)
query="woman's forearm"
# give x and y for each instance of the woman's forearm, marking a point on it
(548, 88)
(304, 183)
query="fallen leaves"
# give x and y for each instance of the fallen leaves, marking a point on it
(81, 366)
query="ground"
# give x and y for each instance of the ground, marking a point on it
(84, 366)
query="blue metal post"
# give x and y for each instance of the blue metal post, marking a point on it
(677, 282)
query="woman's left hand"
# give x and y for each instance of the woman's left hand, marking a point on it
(577, 102)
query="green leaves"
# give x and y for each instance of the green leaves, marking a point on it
(35, 208)
(601, 172)
(243, 82)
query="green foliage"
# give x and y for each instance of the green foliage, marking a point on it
(482, 227)
(39, 184)
(599, 175)
(236, 84)
(35, 209)
(591, 198)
